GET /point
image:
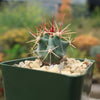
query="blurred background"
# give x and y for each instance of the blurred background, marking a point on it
(83, 15)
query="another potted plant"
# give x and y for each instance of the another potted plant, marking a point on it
(95, 52)
(50, 75)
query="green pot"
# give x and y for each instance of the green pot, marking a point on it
(27, 84)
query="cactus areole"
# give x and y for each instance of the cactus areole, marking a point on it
(51, 42)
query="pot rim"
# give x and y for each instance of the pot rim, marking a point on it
(29, 58)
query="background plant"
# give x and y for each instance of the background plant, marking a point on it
(15, 15)
(14, 36)
(85, 42)
(14, 18)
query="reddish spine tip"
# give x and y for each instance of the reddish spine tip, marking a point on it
(31, 31)
(53, 28)
(61, 23)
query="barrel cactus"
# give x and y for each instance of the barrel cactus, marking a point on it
(51, 42)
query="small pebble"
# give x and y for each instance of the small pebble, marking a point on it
(55, 69)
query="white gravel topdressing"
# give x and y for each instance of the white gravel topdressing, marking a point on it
(70, 67)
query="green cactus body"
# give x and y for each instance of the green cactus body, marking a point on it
(55, 44)
(51, 42)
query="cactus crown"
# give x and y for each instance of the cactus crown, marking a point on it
(51, 42)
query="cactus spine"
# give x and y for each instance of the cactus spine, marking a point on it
(51, 42)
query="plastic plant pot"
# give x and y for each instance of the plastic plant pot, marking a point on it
(26, 84)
